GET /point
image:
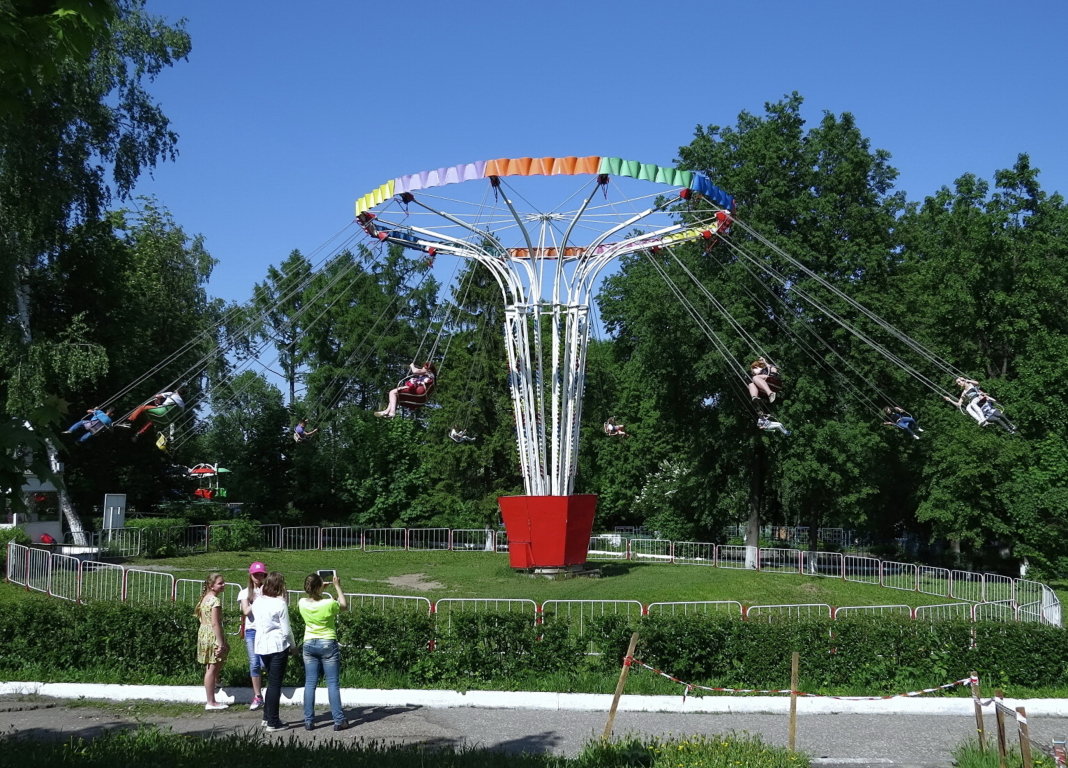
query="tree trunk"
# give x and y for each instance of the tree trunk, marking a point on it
(74, 523)
(813, 530)
(756, 503)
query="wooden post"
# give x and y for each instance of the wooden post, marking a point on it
(999, 716)
(619, 686)
(1025, 737)
(795, 663)
(980, 728)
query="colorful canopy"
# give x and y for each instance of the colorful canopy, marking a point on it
(208, 470)
(546, 166)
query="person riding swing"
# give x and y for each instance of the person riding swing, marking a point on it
(764, 380)
(301, 433)
(612, 429)
(412, 391)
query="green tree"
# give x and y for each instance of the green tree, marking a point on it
(80, 118)
(282, 315)
(37, 37)
(248, 434)
(464, 480)
(982, 273)
(823, 196)
(132, 286)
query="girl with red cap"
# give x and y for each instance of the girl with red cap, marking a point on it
(257, 572)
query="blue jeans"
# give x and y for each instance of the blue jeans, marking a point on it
(322, 657)
(255, 663)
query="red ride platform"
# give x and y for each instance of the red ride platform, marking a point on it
(548, 531)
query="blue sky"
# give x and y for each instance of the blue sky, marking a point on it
(287, 112)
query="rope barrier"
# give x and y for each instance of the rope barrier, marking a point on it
(696, 687)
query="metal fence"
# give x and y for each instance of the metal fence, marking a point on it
(72, 577)
(447, 607)
(878, 610)
(148, 586)
(703, 607)
(801, 611)
(578, 615)
(341, 537)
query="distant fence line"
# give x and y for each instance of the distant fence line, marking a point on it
(1032, 600)
(988, 597)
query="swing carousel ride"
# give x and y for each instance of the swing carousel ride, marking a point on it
(548, 258)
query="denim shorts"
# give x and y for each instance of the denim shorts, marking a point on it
(255, 663)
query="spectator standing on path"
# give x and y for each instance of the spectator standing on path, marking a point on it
(212, 647)
(274, 643)
(321, 650)
(257, 572)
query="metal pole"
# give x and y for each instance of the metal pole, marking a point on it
(619, 686)
(980, 729)
(795, 663)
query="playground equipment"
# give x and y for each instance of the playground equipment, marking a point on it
(207, 475)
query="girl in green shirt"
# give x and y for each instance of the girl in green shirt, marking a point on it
(322, 655)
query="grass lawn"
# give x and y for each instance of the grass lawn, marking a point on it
(444, 574)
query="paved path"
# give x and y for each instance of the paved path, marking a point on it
(832, 740)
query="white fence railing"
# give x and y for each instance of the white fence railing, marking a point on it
(72, 577)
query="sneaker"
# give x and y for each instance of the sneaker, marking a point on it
(309, 726)
(919, 429)
(275, 728)
(216, 705)
(916, 437)
(771, 398)
(383, 414)
(257, 702)
(341, 726)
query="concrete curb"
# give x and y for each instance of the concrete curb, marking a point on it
(583, 702)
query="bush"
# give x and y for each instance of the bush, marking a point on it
(239, 535)
(193, 512)
(47, 639)
(16, 535)
(58, 635)
(160, 536)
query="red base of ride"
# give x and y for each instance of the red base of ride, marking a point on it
(548, 531)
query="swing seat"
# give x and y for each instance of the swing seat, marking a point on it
(413, 391)
(164, 414)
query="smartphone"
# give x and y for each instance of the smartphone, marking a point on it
(326, 576)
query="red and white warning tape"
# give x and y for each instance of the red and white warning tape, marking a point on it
(695, 687)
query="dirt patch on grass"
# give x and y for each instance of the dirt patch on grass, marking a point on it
(416, 581)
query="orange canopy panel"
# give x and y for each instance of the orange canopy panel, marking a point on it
(542, 166)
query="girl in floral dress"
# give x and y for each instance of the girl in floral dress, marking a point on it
(212, 647)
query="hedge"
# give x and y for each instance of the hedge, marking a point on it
(47, 639)
(16, 535)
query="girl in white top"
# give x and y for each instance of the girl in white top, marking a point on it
(274, 643)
